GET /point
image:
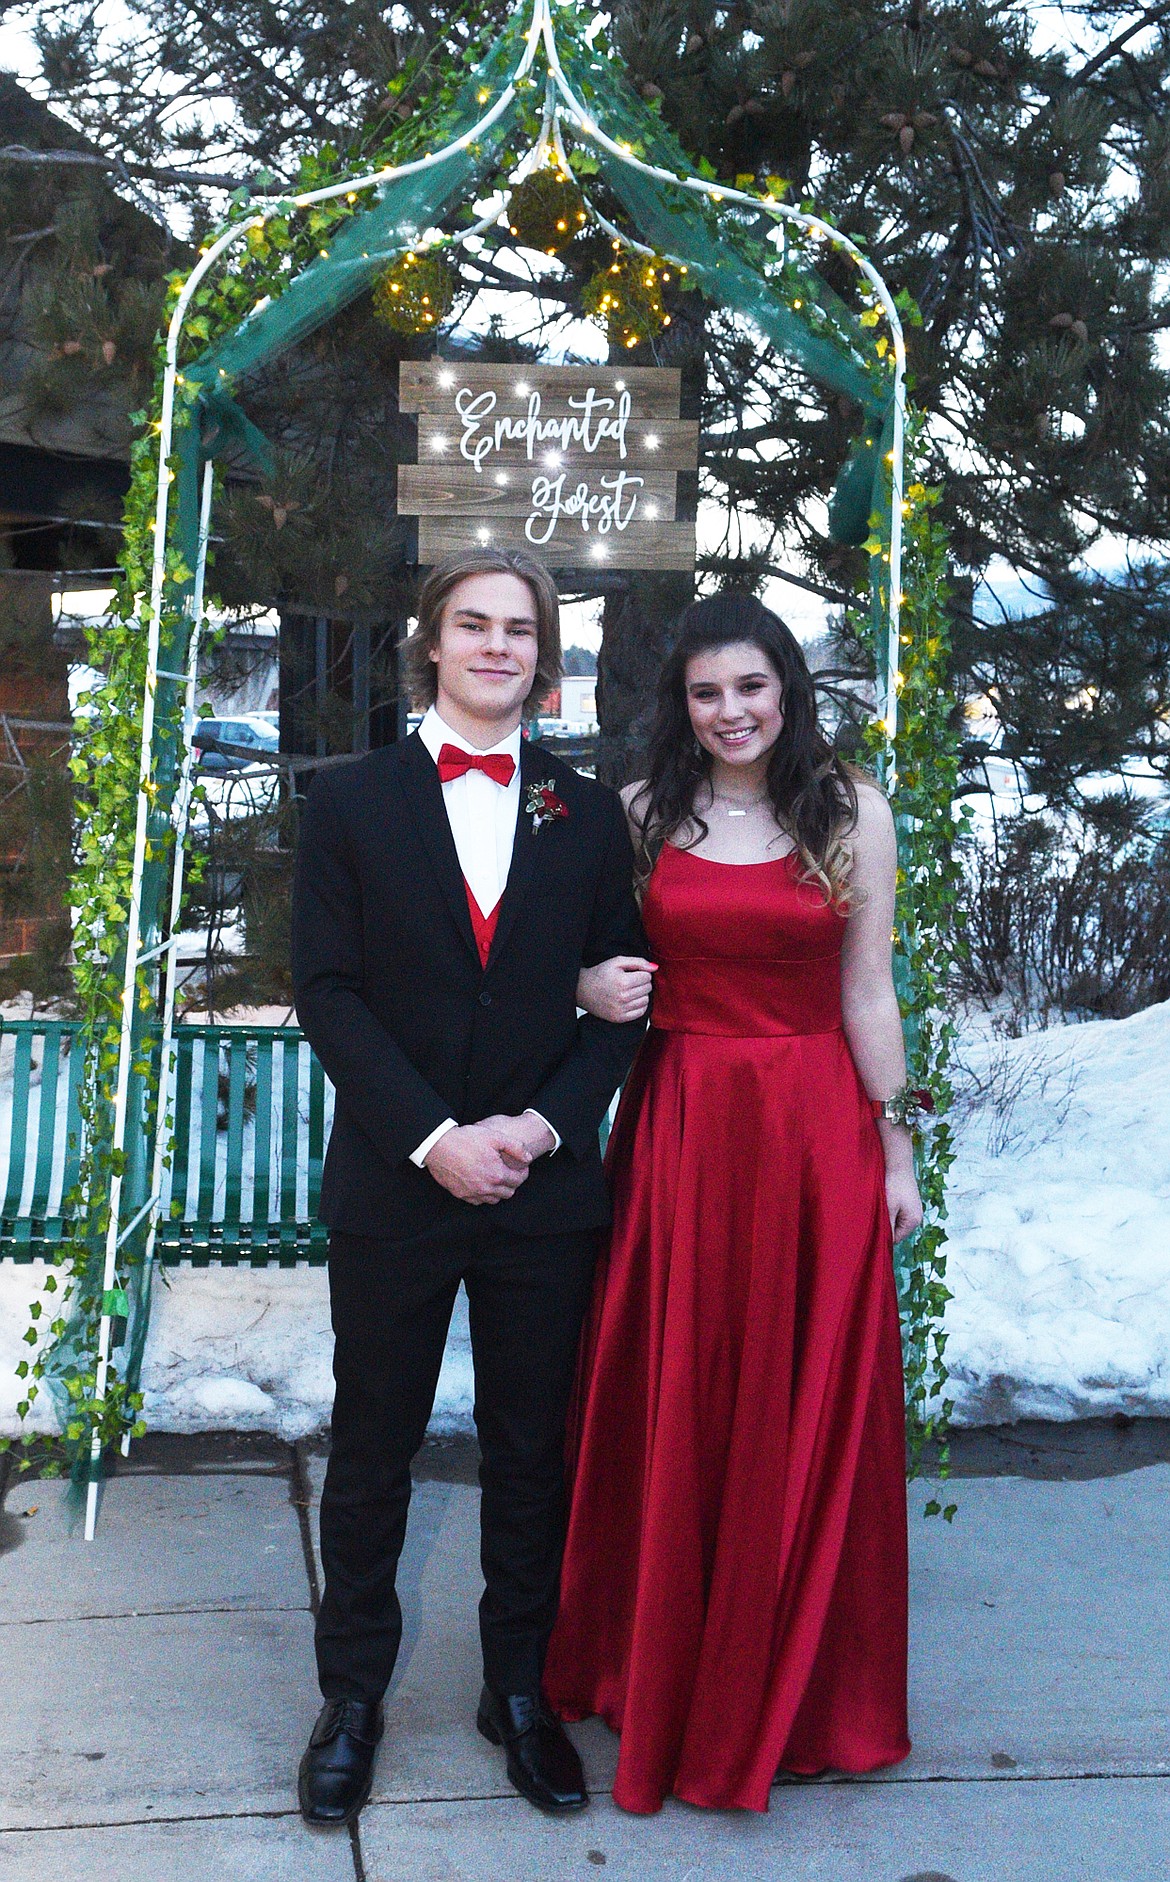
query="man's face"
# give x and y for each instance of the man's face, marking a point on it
(487, 651)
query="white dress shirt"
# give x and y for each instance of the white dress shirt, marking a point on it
(482, 815)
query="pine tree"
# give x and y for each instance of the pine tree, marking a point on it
(1019, 190)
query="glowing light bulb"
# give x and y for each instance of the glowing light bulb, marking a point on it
(598, 552)
(484, 535)
(651, 441)
(521, 389)
(619, 385)
(650, 510)
(502, 478)
(552, 459)
(438, 444)
(446, 379)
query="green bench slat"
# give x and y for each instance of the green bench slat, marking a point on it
(208, 1127)
(290, 1119)
(181, 1145)
(18, 1132)
(262, 1152)
(237, 1051)
(46, 1126)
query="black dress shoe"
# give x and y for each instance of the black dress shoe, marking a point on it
(542, 1762)
(338, 1767)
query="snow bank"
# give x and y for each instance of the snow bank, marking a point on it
(1059, 1262)
(240, 1349)
(1059, 1230)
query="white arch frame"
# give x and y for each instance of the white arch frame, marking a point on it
(559, 95)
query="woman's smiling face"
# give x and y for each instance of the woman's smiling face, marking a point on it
(734, 701)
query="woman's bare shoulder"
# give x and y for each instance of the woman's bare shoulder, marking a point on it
(873, 806)
(630, 793)
(872, 840)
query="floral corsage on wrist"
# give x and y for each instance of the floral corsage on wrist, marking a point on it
(907, 1107)
(543, 805)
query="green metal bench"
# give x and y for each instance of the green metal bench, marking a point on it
(251, 1112)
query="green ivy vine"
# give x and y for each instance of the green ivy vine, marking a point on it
(926, 754)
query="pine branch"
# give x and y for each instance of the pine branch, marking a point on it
(265, 73)
(149, 172)
(1102, 57)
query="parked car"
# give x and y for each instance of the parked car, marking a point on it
(253, 734)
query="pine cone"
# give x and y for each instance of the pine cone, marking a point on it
(109, 352)
(695, 43)
(906, 138)
(787, 82)
(734, 115)
(650, 91)
(894, 120)
(961, 56)
(1081, 331)
(1061, 320)
(1058, 183)
(756, 108)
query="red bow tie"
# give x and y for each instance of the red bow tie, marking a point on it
(453, 763)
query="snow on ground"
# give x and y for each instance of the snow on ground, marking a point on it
(1059, 1257)
(239, 1349)
(1059, 1261)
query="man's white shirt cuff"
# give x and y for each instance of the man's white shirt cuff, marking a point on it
(420, 1155)
(531, 1111)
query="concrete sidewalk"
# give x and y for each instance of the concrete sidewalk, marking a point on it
(158, 1689)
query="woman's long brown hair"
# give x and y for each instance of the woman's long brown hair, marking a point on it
(813, 794)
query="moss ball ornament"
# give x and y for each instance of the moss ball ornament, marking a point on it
(547, 210)
(415, 292)
(626, 297)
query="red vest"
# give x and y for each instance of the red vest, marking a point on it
(482, 926)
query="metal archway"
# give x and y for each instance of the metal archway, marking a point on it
(562, 107)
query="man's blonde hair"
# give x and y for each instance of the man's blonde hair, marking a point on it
(421, 675)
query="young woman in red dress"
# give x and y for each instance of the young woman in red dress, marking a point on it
(734, 1591)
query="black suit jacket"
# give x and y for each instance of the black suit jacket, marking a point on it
(410, 1028)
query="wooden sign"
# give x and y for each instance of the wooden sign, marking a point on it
(576, 464)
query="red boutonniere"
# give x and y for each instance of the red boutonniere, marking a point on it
(543, 805)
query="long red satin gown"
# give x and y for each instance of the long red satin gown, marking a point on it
(734, 1592)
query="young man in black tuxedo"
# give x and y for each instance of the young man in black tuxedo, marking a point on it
(449, 891)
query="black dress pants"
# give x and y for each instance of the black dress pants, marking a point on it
(391, 1305)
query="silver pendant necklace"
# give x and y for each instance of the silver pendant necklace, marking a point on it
(742, 805)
